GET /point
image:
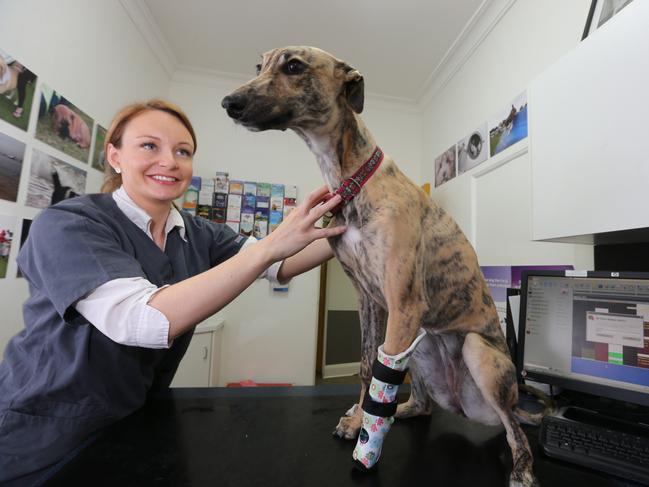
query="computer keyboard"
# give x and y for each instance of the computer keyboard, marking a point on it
(625, 454)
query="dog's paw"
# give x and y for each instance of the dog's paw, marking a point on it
(523, 479)
(348, 427)
(410, 410)
(352, 410)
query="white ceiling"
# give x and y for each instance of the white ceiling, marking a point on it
(398, 45)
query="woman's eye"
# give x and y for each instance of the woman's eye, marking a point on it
(184, 153)
(148, 146)
(294, 67)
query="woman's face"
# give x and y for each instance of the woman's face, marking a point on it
(155, 158)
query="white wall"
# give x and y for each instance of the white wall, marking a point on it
(271, 337)
(510, 46)
(91, 53)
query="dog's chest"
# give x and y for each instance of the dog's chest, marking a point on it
(351, 238)
(361, 257)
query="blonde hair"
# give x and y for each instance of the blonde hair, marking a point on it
(112, 180)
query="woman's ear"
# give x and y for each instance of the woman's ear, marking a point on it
(113, 158)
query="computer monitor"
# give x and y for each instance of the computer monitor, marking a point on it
(586, 331)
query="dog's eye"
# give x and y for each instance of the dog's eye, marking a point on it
(258, 67)
(294, 67)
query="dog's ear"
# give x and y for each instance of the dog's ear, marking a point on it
(354, 89)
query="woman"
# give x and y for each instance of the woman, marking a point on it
(118, 281)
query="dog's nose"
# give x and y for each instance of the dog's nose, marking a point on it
(234, 105)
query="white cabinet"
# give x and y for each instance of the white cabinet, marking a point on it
(588, 134)
(200, 365)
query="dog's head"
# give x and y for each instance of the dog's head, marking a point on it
(298, 88)
(63, 129)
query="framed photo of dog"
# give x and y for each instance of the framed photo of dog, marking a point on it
(52, 180)
(445, 166)
(600, 12)
(26, 225)
(63, 126)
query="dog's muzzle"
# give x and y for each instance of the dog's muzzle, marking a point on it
(235, 105)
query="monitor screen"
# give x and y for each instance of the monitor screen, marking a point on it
(586, 331)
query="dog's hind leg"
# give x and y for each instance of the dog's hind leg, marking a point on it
(435, 376)
(372, 318)
(419, 402)
(429, 382)
(495, 376)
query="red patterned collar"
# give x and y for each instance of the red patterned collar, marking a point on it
(350, 187)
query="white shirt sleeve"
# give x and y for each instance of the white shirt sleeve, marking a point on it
(272, 271)
(119, 309)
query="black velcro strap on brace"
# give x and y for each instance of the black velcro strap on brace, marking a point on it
(388, 375)
(382, 409)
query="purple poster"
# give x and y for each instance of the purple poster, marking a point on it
(517, 270)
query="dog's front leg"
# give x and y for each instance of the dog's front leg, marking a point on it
(388, 372)
(372, 318)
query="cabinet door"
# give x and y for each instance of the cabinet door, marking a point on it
(194, 369)
(588, 135)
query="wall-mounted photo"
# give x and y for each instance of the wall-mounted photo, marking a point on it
(52, 180)
(12, 153)
(98, 156)
(7, 224)
(600, 12)
(473, 149)
(24, 232)
(62, 125)
(509, 126)
(445, 168)
(17, 84)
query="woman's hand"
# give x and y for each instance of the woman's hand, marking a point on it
(298, 229)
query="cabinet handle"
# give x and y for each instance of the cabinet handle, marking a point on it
(205, 353)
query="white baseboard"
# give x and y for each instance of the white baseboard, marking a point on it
(340, 370)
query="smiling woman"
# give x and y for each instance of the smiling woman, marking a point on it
(118, 281)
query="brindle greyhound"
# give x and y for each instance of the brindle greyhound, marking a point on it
(408, 259)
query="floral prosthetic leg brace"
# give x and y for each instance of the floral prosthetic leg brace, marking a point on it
(380, 403)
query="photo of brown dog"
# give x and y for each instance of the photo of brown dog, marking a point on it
(63, 126)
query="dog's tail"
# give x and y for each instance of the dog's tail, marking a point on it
(534, 419)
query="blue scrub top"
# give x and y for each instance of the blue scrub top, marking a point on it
(62, 379)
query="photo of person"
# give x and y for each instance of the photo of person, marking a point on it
(17, 85)
(509, 126)
(445, 166)
(7, 224)
(472, 150)
(98, 156)
(221, 182)
(52, 180)
(63, 126)
(12, 153)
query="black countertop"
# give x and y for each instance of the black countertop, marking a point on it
(283, 437)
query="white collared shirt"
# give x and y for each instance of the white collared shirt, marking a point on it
(119, 308)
